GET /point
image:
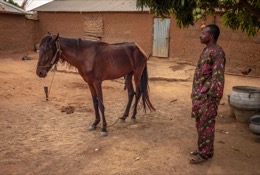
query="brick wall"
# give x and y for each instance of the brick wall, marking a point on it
(17, 34)
(131, 27)
(20, 34)
(117, 27)
(242, 52)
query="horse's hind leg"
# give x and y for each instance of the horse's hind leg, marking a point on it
(137, 95)
(137, 98)
(131, 93)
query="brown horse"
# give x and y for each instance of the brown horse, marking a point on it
(98, 61)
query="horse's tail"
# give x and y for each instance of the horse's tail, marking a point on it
(145, 90)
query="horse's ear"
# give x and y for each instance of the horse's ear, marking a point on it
(54, 38)
(49, 33)
(57, 36)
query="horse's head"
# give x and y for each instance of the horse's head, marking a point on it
(49, 53)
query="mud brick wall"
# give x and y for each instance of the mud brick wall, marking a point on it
(116, 27)
(130, 27)
(20, 35)
(17, 34)
(242, 52)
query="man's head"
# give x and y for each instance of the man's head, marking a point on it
(209, 34)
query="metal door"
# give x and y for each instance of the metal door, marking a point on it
(161, 37)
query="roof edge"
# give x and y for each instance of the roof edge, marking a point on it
(22, 11)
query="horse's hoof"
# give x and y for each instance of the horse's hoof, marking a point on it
(133, 120)
(92, 128)
(122, 120)
(103, 134)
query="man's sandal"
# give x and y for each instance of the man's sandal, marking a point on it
(197, 160)
(194, 153)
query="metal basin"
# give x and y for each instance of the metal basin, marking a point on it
(245, 97)
(254, 124)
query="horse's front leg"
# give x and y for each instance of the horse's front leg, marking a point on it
(95, 103)
(101, 106)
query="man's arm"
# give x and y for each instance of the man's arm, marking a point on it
(217, 81)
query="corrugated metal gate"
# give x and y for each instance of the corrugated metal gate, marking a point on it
(161, 37)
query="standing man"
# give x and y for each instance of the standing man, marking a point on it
(207, 91)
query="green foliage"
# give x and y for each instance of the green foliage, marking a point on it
(241, 19)
(12, 2)
(181, 8)
(234, 13)
(236, 17)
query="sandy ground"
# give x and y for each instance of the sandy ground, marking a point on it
(37, 138)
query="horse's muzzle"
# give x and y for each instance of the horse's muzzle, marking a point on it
(41, 73)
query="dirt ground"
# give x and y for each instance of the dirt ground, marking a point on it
(37, 138)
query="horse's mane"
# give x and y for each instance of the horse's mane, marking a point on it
(45, 39)
(66, 64)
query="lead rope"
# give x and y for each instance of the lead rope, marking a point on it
(48, 91)
(54, 70)
(111, 124)
(117, 121)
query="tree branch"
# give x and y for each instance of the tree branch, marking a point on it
(250, 8)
